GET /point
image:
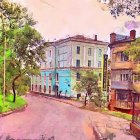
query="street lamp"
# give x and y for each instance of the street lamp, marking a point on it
(133, 106)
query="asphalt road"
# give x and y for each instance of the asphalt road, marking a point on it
(47, 120)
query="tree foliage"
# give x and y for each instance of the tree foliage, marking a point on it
(88, 84)
(24, 45)
(134, 53)
(123, 7)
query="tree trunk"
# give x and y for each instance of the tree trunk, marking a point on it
(13, 87)
(86, 99)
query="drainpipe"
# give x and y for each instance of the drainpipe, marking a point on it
(55, 66)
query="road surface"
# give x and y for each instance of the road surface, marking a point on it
(47, 120)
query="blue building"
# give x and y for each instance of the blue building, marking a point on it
(66, 59)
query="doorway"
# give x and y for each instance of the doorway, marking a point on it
(56, 90)
(49, 89)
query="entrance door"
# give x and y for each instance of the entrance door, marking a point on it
(49, 89)
(56, 88)
(44, 89)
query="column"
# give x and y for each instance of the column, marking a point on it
(95, 60)
(84, 61)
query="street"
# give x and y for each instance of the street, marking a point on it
(47, 119)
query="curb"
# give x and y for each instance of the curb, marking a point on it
(13, 111)
(98, 134)
(53, 98)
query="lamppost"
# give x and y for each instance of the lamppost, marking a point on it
(133, 107)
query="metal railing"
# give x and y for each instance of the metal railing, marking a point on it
(136, 117)
(124, 104)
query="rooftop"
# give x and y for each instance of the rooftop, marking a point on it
(81, 38)
(117, 38)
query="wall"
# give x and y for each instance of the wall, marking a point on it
(64, 81)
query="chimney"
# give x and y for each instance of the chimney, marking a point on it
(95, 37)
(112, 37)
(132, 34)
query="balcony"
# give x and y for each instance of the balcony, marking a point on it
(121, 85)
(123, 104)
(122, 65)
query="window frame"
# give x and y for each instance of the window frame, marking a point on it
(99, 66)
(100, 52)
(78, 60)
(78, 76)
(89, 51)
(78, 50)
(89, 63)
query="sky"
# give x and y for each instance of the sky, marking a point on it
(60, 18)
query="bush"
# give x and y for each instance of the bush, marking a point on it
(22, 90)
(9, 104)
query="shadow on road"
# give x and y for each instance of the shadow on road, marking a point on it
(43, 137)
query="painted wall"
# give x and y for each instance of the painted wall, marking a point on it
(64, 81)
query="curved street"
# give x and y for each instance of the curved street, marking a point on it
(47, 119)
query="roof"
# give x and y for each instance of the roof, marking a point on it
(80, 38)
(121, 39)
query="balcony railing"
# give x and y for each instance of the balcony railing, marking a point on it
(122, 65)
(121, 85)
(124, 104)
(137, 117)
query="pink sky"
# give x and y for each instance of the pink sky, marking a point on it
(59, 18)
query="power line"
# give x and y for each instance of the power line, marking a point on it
(47, 3)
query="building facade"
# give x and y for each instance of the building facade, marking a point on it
(66, 59)
(125, 81)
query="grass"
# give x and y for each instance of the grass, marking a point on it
(118, 114)
(9, 104)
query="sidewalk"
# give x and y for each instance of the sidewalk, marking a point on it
(108, 127)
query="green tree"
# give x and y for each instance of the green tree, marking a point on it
(122, 7)
(88, 85)
(25, 46)
(134, 53)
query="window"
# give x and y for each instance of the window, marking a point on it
(124, 77)
(50, 76)
(89, 63)
(50, 64)
(124, 57)
(89, 51)
(77, 63)
(99, 64)
(50, 53)
(45, 65)
(77, 76)
(100, 52)
(78, 50)
(58, 63)
(57, 77)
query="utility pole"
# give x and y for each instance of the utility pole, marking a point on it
(4, 57)
(4, 69)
